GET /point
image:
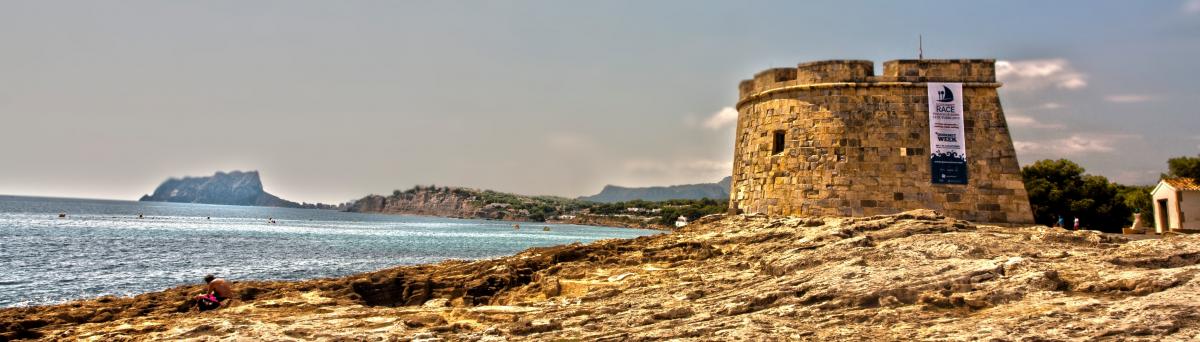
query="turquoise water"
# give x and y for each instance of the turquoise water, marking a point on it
(102, 248)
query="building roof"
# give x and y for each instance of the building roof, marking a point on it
(1182, 183)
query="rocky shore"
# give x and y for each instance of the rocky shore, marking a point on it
(915, 275)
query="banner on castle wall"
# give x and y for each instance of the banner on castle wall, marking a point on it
(947, 142)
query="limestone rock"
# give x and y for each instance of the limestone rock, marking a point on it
(910, 276)
(232, 188)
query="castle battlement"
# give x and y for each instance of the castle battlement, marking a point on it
(861, 73)
(833, 138)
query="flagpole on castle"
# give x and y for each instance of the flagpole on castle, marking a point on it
(920, 48)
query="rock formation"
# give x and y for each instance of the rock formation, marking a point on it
(434, 201)
(911, 276)
(233, 188)
(431, 202)
(613, 193)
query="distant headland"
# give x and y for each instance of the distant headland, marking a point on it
(228, 188)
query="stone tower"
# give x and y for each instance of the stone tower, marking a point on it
(832, 138)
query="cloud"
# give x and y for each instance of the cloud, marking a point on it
(568, 141)
(1029, 122)
(1137, 176)
(1036, 74)
(1128, 98)
(1191, 6)
(1076, 144)
(725, 117)
(1051, 105)
(656, 166)
(1073, 82)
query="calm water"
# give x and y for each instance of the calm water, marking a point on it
(103, 248)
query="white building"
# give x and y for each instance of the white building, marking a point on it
(1176, 199)
(681, 221)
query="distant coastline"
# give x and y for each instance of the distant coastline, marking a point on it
(659, 208)
(491, 205)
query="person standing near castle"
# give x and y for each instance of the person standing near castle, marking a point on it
(1076, 223)
(1060, 223)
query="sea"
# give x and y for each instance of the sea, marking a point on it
(102, 247)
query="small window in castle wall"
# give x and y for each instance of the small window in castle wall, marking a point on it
(792, 110)
(777, 147)
(770, 112)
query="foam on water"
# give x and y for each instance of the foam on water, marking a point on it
(102, 248)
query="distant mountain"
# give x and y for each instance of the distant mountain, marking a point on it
(613, 193)
(233, 188)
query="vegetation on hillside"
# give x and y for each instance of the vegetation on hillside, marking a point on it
(543, 208)
(1061, 188)
(666, 211)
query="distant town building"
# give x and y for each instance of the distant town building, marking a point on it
(681, 221)
(1174, 200)
(495, 206)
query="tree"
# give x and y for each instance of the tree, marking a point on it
(1137, 199)
(1060, 187)
(1184, 167)
(668, 216)
(537, 217)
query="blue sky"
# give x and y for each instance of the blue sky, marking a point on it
(334, 100)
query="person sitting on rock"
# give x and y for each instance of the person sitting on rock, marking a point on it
(217, 292)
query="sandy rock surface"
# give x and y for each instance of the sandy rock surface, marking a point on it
(914, 275)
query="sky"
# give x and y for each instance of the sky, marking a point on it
(333, 100)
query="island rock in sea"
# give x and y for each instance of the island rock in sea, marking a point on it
(233, 188)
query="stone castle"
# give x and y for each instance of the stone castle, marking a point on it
(833, 138)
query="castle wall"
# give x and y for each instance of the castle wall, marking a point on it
(857, 144)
